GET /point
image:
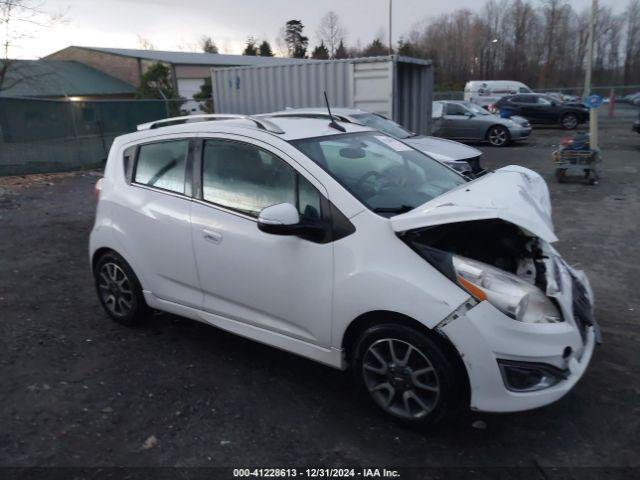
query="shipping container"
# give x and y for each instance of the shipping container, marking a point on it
(397, 87)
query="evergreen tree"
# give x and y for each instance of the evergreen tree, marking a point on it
(341, 51)
(250, 47)
(207, 45)
(321, 52)
(205, 96)
(265, 49)
(296, 42)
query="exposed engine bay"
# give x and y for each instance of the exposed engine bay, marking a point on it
(494, 242)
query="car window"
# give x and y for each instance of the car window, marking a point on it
(246, 178)
(455, 109)
(385, 174)
(524, 99)
(436, 110)
(162, 165)
(523, 90)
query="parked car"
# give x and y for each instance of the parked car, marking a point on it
(636, 125)
(564, 97)
(339, 243)
(630, 98)
(539, 108)
(458, 156)
(488, 92)
(466, 121)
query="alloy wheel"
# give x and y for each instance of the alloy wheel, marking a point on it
(498, 136)
(400, 378)
(570, 121)
(115, 289)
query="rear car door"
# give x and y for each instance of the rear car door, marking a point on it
(154, 219)
(283, 284)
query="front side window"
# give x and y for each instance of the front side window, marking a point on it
(386, 175)
(456, 109)
(162, 165)
(246, 178)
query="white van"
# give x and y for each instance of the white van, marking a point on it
(486, 92)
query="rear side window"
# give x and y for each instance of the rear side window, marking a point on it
(162, 165)
(246, 178)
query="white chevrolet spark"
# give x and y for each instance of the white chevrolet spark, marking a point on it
(344, 245)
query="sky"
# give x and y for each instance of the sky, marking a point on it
(178, 24)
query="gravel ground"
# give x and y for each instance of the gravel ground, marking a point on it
(80, 390)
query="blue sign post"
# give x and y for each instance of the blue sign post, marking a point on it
(593, 101)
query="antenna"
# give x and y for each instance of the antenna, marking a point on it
(333, 123)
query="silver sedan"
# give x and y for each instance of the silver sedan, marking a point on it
(458, 120)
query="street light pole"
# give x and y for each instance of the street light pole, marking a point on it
(390, 35)
(593, 112)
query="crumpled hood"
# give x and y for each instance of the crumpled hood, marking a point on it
(514, 194)
(441, 149)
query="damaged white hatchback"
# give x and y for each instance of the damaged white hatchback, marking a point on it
(344, 245)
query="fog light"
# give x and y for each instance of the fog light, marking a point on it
(529, 377)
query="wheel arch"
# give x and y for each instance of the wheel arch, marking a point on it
(379, 317)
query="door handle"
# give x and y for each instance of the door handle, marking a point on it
(211, 236)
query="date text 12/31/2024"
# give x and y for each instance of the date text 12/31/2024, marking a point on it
(315, 473)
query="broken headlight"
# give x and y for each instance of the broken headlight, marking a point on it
(510, 294)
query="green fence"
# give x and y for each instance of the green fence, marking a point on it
(56, 135)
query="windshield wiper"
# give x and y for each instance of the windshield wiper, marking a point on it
(400, 209)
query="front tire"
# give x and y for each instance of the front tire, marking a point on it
(406, 374)
(498, 136)
(569, 121)
(119, 290)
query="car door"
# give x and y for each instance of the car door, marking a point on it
(456, 121)
(547, 110)
(529, 108)
(153, 219)
(278, 283)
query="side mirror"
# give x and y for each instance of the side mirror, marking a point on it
(469, 115)
(284, 219)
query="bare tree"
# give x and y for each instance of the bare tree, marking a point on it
(331, 32)
(632, 47)
(19, 20)
(144, 43)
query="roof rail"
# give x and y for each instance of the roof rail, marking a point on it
(262, 124)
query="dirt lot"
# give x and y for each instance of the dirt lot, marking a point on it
(80, 390)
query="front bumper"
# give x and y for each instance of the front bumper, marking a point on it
(484, 334)
(520, 133)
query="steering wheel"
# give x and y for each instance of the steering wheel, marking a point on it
(365, 177)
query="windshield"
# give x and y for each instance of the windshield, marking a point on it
(383, 124)
(477, 110)
(386, 175)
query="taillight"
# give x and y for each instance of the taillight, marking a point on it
(98, 188)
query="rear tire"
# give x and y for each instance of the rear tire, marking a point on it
(406, 375)
(498, 136)
(119, 290)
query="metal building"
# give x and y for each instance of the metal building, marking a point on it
(398, 87)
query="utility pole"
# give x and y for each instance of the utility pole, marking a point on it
(593, 112)
(390, 35)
